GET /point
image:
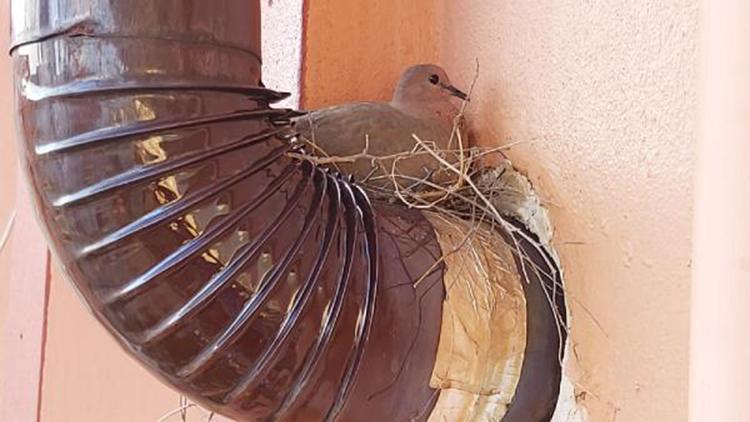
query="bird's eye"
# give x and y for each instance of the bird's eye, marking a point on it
(434, 79)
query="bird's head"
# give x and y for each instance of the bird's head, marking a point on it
(425, 83)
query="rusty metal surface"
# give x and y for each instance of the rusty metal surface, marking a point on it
(225, 25)
(260, 286)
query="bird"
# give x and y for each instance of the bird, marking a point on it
(424, 103)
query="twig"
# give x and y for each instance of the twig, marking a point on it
(8, 229)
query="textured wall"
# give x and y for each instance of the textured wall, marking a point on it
(603, 95)
(356, 50)
(282, 47)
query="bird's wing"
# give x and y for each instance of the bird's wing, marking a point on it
(341, 130)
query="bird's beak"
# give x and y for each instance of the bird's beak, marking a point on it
(455, 92)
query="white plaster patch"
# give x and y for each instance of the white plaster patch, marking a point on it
(281, 23)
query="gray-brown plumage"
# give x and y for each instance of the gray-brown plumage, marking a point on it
(424, 103)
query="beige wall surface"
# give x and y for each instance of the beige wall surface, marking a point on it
(602, 96)
(720, 315)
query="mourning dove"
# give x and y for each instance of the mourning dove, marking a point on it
(423, 104)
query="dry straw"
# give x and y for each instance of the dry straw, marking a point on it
(474, 192)
(181, 412)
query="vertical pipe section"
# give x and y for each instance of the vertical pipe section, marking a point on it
(261, 286)
(720, 316)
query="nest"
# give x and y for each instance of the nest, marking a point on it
(483, 189)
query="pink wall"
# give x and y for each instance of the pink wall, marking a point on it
(603, 97)
(7, 174)
(357, 49)
(23, 271)
(720, 350)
